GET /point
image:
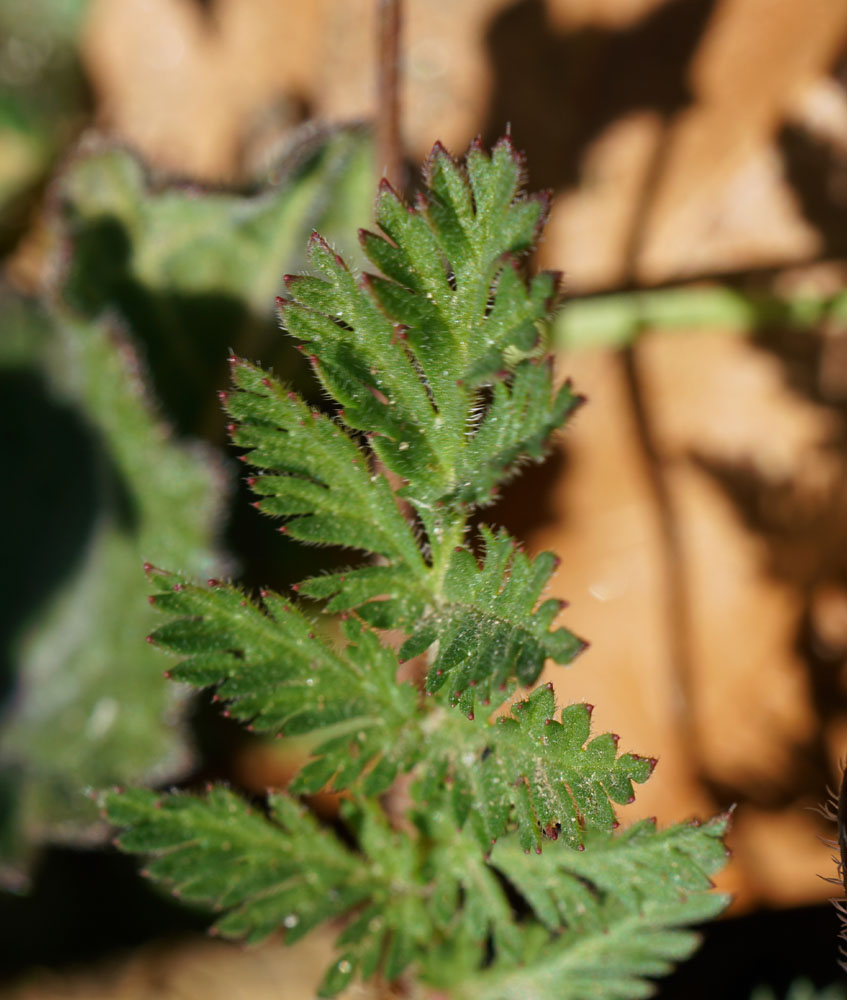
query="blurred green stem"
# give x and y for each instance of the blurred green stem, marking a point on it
(616, 320)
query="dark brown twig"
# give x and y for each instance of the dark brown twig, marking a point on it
(389, 145)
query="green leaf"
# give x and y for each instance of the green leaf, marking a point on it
(637, 866)
(315, 474)
(440, 387)
(365, 365)
(467, 900)
(545, 776)
(193, 272)
(279, 871)
(489, 625)
(187, 273)
(274, 669)
(431, 363)
(516, 425)
(108, 487)
(614, 962)
(385, 596)
(409, 355)
(283, 870)
(617, 912)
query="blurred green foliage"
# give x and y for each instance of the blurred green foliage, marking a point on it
(194, 273)
(110, 400)
(613, 321)
(102, 484)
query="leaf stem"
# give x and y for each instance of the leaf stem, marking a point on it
(444, 538)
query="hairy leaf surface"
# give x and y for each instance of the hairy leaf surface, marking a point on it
(614, 961)
(440, 386)
(407, 353)
(616, 912)
(489, 625)
(315, 474)
(274, 669)
(542, 775)
(635, 867)
(516, 425)
(266, 872)
(282, 870)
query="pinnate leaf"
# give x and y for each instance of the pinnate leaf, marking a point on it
(407, 353)
(516, 425)
(439, 371)
(314, 472)
(274, 669)
(614, 961)
(488, 626)
(644, 887)
(543, 775)
(637, 866)
(284, 871)
(265, 872)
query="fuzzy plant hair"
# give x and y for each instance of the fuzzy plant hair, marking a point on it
(506, 874)
(835, 810)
